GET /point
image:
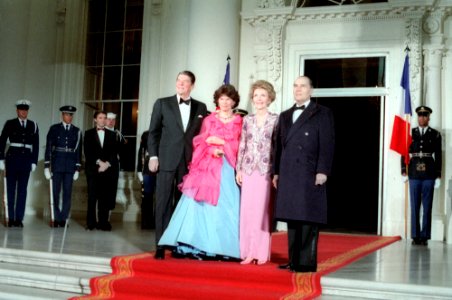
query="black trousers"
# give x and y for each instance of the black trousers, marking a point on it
(167, 196)
(98, 197)
(303, 239)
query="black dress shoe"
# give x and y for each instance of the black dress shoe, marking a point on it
(91, 227)
(416, 241)
(285, 266)
(19, 224)
(303, 269)
(104, 226)
(178, 255)
(424, 242)
(54, 224)
(11, 223)
(159, 253)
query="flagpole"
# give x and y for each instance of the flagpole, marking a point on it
(407, 121)
(407, 128)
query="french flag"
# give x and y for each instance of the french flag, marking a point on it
(401, 131)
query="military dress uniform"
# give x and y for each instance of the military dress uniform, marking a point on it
(19, 160)
(423, 169)
(62, 157)
(147, 185)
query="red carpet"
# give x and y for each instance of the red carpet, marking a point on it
(142, 277)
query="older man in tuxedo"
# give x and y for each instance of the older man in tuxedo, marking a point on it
(302, 162)
(101, 154)
(175, 121)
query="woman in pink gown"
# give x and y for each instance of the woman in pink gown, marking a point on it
(253, 174)
(205, 223)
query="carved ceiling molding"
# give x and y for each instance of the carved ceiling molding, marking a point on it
(60, 12)
(413, 40)
(156, 7)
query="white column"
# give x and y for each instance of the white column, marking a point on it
(214, 31)
(432, 91)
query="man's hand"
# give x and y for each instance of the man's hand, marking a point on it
(404, 178)
(33, 167)
(2, 165)
(275, 181)
(76, 175)
(140, 176)
(47, 173)
(103, 166)
(153, 165)
(320, 179)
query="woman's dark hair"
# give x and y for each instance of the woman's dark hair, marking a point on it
(227, 90)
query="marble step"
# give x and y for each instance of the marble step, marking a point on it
(12, 292)
(55, 260)
(382, 290)
(46, 278)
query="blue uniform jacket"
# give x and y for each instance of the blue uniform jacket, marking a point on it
(63, 149)
(23, 144)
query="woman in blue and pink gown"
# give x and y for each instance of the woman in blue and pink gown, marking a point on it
(253, 174)
(205, 223)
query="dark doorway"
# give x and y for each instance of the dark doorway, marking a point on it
(353, 184)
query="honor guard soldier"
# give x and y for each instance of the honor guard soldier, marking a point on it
(147, 179)
(18, 161)
(62, 164)
(424, 173)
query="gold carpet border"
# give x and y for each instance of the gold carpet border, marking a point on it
(122, 269)
(303, 282)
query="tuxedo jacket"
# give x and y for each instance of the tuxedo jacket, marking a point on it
(94, 151)
(167, 139)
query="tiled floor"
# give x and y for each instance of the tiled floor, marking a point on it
(399, 263)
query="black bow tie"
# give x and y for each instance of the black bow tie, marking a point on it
(184, 101)
(299, 107)
(98, 128)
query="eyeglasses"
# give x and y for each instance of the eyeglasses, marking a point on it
(423, 114)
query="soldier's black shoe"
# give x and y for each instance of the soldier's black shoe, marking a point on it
(104, 226)
(424, 242)
(19, 224)
(303, 269)
(416, 241)
(11, 223)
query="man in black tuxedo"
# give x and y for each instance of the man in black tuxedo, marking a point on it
(175, 121)
(302, 161)
(100, 148)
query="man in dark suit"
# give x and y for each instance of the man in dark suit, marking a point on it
(175, 121)
(62, 162)
(424, 173)
(18, 161)
(100, 148)
(302, 161)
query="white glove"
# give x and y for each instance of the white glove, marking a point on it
(320, 179)
(76, 174)
(2, 165)
(33, 167)
(404, 178)
(140, 176)
(437, 183)
(47, 173)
